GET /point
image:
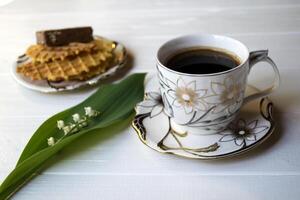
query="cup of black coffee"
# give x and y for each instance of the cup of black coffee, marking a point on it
(203, 80)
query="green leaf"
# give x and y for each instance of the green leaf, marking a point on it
(112, 101)
(115, 102)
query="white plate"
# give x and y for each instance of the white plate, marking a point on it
(50, 87)
(252, 126)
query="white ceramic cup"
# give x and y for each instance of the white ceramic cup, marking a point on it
(207, 103)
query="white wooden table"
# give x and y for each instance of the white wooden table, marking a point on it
(121, 167)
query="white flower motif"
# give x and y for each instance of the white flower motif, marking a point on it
(188, 97)
(51, 141)
(243, 132)
(60, 124)
(227, 95)
(153, 103)
(76, 117)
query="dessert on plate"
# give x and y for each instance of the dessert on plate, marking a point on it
(71, 54)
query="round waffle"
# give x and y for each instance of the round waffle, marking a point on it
(68, 68)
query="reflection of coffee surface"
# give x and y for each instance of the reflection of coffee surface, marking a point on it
(202, 61)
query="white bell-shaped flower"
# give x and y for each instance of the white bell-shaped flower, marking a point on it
(51, 141)
(60, 124)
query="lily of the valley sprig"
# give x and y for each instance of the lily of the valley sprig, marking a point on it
(78, 123)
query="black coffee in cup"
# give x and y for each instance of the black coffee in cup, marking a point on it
(202, 61)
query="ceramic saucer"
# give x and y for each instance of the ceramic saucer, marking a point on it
(50, 87)
(253, 125)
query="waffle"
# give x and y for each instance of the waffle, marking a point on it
(70, 68)
(103, 67)
(43, 54)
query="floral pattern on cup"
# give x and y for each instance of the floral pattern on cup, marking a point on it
(227, 96)
(186, 95)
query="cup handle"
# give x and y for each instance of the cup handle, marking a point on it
(262, 56)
